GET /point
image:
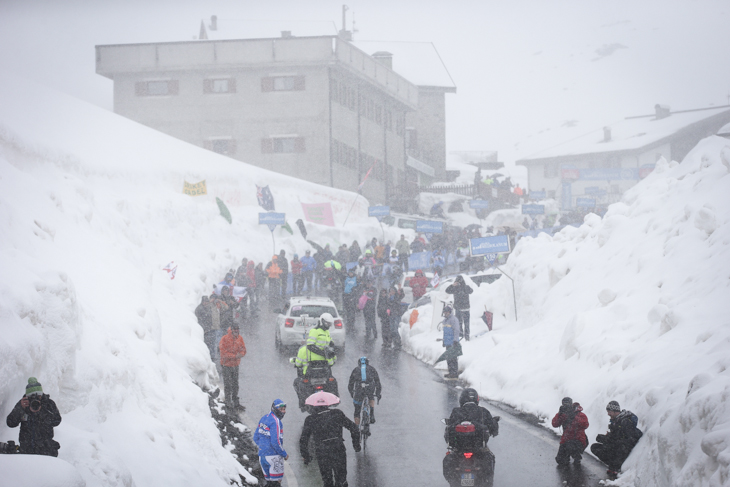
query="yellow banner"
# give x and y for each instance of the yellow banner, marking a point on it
(195, 189)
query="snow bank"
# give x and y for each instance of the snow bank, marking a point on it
(91, 210)
(632, 307)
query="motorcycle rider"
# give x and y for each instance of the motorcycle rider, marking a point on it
(326, 425)
(318, 349)
(485, 426)
(364, 384)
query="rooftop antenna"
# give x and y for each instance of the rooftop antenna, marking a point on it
(344, 33)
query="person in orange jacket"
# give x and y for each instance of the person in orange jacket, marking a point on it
(232, 351)
(274, 272)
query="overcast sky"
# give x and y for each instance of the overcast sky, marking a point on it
(520, 67)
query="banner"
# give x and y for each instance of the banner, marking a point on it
(319, 213)
(419, 260)
(195, 189)
(265, 198)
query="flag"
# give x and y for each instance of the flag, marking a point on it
(359, 188)
(266, 199)
(436, 280)
(302, 229)
(488, 317)
(223, 210)
(319, 213)
(171, 268)
(286, 227)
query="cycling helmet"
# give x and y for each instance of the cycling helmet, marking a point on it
(277, 406)
(469, 395)
(363, 360)
(325, 321)
(368, 251)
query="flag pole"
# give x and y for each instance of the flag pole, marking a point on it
(353, 206)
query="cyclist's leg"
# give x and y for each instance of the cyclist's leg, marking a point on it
(372, 409)
(358, 408)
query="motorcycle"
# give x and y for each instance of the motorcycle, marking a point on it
(468, 461)
(318, 378)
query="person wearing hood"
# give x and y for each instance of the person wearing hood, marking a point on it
(461, 292)
(574, 440)
(614, 447)
(269, 437)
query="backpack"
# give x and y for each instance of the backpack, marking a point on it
(362, 301)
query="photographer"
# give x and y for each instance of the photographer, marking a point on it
(574, 439)
(616, 445)
(37, 414)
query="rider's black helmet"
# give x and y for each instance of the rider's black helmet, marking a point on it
(469, 395)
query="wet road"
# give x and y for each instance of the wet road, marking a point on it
(407, 445)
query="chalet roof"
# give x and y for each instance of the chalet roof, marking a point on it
(630, 134)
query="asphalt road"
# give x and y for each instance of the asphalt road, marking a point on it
(407, 445)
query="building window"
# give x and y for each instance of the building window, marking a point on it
(156, 88)
(282, 83)
(283, 145)
(222, 85)
(222, 145)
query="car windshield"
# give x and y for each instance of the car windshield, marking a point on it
(311, 310)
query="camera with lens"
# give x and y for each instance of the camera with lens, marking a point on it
(35, 404)
(8, 448)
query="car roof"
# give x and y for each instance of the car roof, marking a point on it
(311, 300)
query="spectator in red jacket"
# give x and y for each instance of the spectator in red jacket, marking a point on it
(296, 272)
(419, 283)
(232, 351)
(574, 439)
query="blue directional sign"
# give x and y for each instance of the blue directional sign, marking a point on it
(585, 202)
(537, 195)
(419, 260)
(595, 190)
(489, 245)
(272, 219)
(379, 211)
(533, 209)
(429, 226)
(479, 204)
(567, 195)
(491, 258)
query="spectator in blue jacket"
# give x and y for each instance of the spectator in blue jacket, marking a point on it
(308, 267)
(452, 330)
(269, 437)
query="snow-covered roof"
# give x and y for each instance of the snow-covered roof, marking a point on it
(418, 62)
(227, 28)
(628, 134)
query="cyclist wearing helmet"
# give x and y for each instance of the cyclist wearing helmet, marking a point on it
(269, 437)
(364, 383)
(469, 410)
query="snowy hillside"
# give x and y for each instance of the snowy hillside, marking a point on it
(632, 308)
(91, 210)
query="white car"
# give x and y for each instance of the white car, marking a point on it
(300, 315)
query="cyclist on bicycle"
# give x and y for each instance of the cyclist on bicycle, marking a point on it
(364, 383)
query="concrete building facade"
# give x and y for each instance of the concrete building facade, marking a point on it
(316, 108)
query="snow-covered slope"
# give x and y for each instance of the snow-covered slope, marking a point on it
(91, 210)
(632, 308)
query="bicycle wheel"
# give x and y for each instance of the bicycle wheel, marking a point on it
(365, 424)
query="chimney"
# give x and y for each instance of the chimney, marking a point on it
(607, 134)
(213, 22)
(285, 34)
(662, 111)
(385, 58)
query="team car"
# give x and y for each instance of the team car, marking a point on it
(300, 315)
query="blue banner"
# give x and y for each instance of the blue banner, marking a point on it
(566, 196)
(272, 218)
(479, 204)
(378, 211)
(429, 226)
(585, 202)
(537, 195)
(420, 260)
(609, 174)
(595, 190)
(533, 209)
(489, 245)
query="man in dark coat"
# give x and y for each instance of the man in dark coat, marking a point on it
(461, 292)
(326, 425)
(37, 415)
(574, 440)
(205, 320)
(615, 446)
(284, 266)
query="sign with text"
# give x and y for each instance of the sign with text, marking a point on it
(195, 189)
(570, 173)
(379, 211)
(566, 195)
(585, 202)
(319, 213)
(595, 190)
(419, 260)
(429, 226)
(537, 195)
(272, 219)
(533, 209)
(479, 204)
(489, 245)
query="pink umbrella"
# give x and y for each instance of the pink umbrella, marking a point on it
(322, 398)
